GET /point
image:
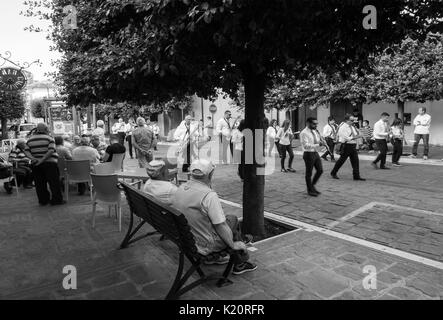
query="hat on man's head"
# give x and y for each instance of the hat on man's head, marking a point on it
(154, 168)
(201, 168)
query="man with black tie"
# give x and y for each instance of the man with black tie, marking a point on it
(348, 136)
(224, 131)
(310, 141)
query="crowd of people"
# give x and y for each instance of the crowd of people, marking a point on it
(35, 164)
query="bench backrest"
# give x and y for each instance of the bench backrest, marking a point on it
(165, 219)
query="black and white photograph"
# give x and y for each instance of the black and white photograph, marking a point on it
(256, 151)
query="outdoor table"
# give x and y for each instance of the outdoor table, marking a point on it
(141, 174)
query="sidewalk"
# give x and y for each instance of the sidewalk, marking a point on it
(37, 242)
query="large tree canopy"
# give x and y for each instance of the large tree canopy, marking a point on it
(410, 71)
(145, 50)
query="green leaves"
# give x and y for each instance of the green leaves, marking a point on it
(12, 104)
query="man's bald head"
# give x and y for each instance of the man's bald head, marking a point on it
(42, 128)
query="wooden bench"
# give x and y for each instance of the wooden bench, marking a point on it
(172, 225)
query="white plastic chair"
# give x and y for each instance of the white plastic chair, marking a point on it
(107, 192)
(77, 171)
(104, 168)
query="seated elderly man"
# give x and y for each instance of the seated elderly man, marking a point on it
(85, 152)
(98, 145)
(213, 231)
(158, 185)
(21, 162)
(62, 151)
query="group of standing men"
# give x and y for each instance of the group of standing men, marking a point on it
(345, 137)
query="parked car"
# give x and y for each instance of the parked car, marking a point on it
(23, 130)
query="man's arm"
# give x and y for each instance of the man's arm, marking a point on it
(416, 122)
(225, 233)
(211, 203)
(45, 157)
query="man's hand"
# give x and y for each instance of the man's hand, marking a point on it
(239, 245)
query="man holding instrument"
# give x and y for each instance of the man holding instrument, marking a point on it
(347, 137)
(311, 140)
(187, 133)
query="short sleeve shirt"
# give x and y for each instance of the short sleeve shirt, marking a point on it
(211, 205)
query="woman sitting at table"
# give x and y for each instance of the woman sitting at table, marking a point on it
(158, 185)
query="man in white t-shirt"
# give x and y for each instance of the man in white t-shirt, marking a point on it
(422, 123)
(212, 230)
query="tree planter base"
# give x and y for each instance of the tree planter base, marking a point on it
(274, 228)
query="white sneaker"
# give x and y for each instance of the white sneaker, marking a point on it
(425, 158)
(412, 156)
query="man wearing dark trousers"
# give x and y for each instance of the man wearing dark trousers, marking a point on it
(311, 140)
(381, 134)
(347, 136)
(40, 148)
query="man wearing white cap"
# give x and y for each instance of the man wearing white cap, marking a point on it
(213, 231)
(158, 185)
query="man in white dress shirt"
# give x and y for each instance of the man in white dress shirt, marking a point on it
(310, 141)
(187, 134)
(381, 135)
(422, 123)
(224, 130)
(348, 136)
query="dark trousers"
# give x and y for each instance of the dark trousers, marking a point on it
(369, 143)
(187, 158)
(382, 146)
(398, 150)
(129, 139)
(283, 149)
(24, 176)
(312, 160)
(349, 151)
(232, 222)
(331, 145)
(417, 138)
(224, 145)
(47, 174)
(121, 138)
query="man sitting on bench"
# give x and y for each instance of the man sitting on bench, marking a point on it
(158, 185)
(213, 231)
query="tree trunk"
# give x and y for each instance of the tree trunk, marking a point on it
(401, 111)
(4, 129)
(254, 185)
